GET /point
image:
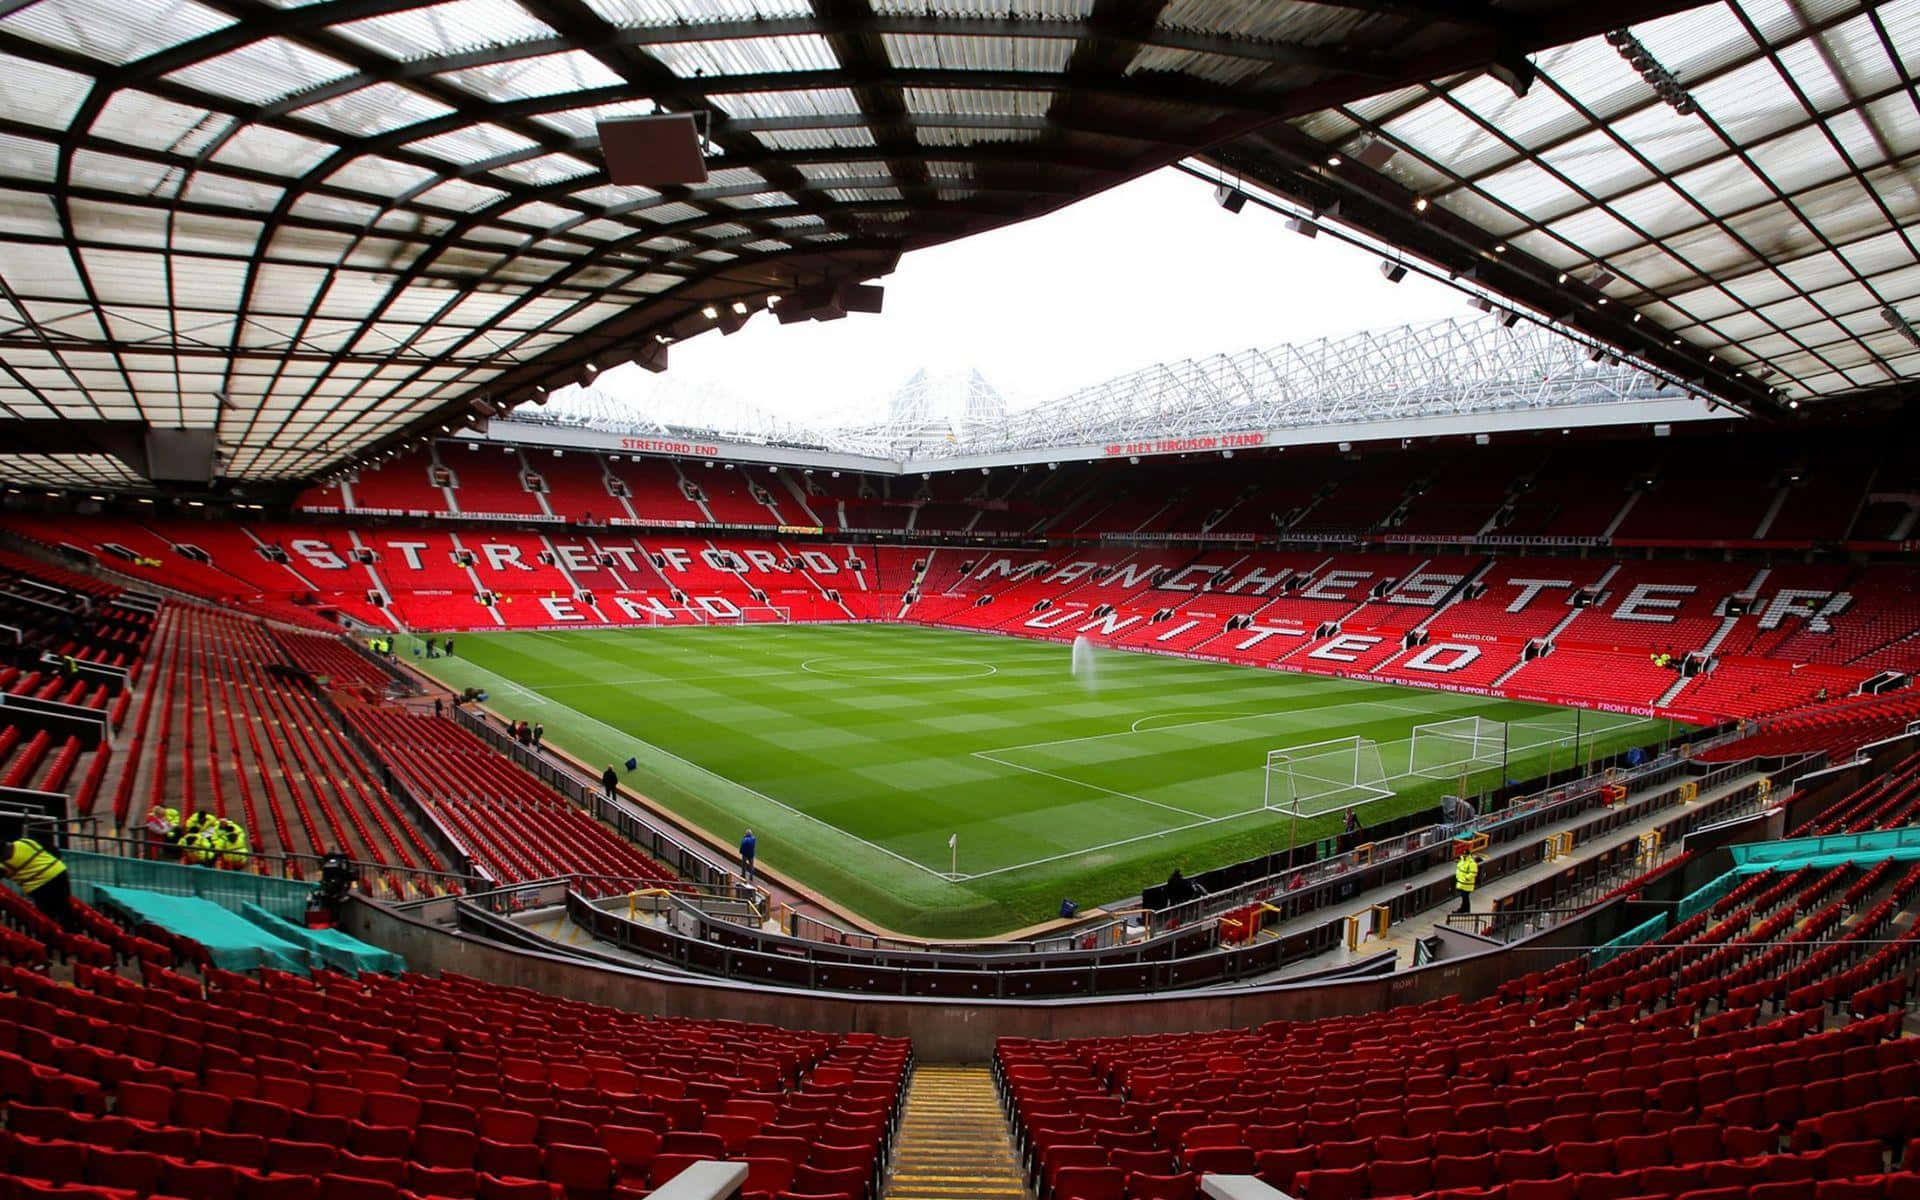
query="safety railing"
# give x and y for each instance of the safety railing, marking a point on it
(1518, 819)
(684, 856)
(282, 897)
(380, 881)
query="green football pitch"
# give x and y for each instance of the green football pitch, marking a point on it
(951, 784)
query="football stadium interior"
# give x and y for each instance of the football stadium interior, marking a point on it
(1475, 759)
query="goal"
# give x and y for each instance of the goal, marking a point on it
(752, 614)
(1448, 749)
(1325, 777)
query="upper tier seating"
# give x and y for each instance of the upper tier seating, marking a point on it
(1705, 487)
(1850, 620)
(492, 483)
(402, 484)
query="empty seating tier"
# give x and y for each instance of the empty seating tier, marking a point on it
(395, 1087)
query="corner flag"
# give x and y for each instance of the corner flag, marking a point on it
(953, 843)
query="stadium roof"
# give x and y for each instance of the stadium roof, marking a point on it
(1729, 192)
(321, 229)
(1439, 377)
(328, 226)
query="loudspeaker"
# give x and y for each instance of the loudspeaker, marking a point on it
(181, 456)
(653, 150)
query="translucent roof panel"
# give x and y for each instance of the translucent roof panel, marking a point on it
(1740, 175)
(323, 229)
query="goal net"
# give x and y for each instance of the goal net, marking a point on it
(1552, 731)
(1449, 749)
(749, 614)
(1325, 777)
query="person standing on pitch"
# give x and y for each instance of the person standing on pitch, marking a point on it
(1466, 874)
(747, 845)
(610, 781)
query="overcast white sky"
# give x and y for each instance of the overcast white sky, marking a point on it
(1147, 272)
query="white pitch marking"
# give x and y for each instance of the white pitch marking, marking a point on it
(809, 668)
(1094, 737)
(665, 753)
(988, 755)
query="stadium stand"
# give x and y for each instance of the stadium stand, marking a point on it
(1766, 638)
(208, 1084)
(226, 725)
(493, 483)
(510, 826)
(222, 728)
(1751, 1048)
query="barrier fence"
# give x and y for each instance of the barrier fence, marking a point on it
(379, 881)
(685, 856)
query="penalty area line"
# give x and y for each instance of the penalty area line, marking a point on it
(989, 756)
(1128, 841)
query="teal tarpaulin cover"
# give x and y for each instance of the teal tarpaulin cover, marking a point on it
(329, 945)
(235, 943)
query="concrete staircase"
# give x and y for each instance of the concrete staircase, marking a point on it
(953, 1142)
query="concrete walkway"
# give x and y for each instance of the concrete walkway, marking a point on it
(1402, 936)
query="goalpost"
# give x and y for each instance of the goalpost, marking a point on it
(1449, 749)
(1324, 777)
(750, 614)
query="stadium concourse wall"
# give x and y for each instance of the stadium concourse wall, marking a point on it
(963, 1031)
(1179, 963)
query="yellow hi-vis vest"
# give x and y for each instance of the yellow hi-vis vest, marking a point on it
(33, 865)
(1465, 873)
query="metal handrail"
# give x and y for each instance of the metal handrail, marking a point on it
(283, 865)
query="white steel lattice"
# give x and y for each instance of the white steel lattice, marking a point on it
(1439, 368)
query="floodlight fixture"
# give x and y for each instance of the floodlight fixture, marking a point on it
(1899, 324)
(1374, 152)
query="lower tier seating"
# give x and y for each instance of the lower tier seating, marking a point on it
(512, 826)
(1836, 728)
(196, 1083)
(221, 726)
(1752, 1050)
